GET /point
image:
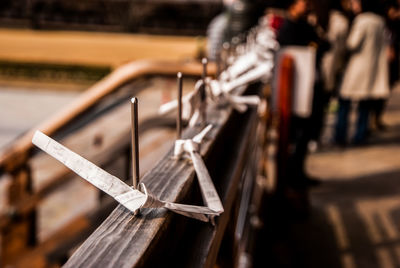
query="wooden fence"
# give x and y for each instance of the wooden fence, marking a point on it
(78, 121)
(158, 237)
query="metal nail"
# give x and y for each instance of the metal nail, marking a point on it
(203, 92)
(135, 142)
(204, 61)
(179, 115)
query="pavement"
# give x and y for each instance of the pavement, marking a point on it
(354, 215)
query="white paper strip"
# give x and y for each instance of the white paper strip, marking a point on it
(130, 198)
(207, 188)
(208, 191)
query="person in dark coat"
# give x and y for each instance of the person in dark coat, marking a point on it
(296, 31)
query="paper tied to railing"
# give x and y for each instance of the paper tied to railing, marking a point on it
(220, 94)
(191, 106)
(255, 65)
(191, 148)
(130, 198)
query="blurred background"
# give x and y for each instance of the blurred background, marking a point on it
(54, 51)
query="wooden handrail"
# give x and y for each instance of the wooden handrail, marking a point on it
(158, 237)
(17, 153)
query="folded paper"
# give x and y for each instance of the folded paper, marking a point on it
(132, 199)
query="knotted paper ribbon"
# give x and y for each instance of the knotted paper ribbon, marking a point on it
(130, 198)
(250, 67)
(191, 103)
(191, 148)
(218, 92)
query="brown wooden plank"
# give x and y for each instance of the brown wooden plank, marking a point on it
(208, 241)
(127, 241)
(123, 240)
(18, 237)
(56, 247)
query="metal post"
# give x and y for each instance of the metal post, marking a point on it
(135, 142)
(21, 234)
(203, 93)
(226, 49)
(179, 115)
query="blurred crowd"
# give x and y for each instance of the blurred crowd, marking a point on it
(357, 46)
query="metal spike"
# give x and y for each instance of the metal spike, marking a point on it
(179, 115)
(203, 108)
(135, 142)
(204, 61)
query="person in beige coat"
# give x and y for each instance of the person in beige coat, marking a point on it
(333, 60)
(366, 77)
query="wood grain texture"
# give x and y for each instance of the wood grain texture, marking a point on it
(126, 241)
(208, 241)
(131, 237)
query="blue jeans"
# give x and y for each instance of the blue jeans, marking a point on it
(343, 119)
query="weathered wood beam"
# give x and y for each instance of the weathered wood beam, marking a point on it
(56, 247)
(14, 158)
(230, 172)
(127, 241)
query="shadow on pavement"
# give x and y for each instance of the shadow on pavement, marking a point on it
(351, 223)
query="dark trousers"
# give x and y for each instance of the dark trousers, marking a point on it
(343, 118)
(300, 134)
(320, 103)
(377, 107)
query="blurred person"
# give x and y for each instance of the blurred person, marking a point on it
(393, 21)
(333, 61)
(296, 31)
(275, 19)
(366, 76)
(332, 65)
(218, 31)
(238, 16)
(355, 7)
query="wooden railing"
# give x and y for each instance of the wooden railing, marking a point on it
(159, 238)
(18, 224)
(18, 151)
